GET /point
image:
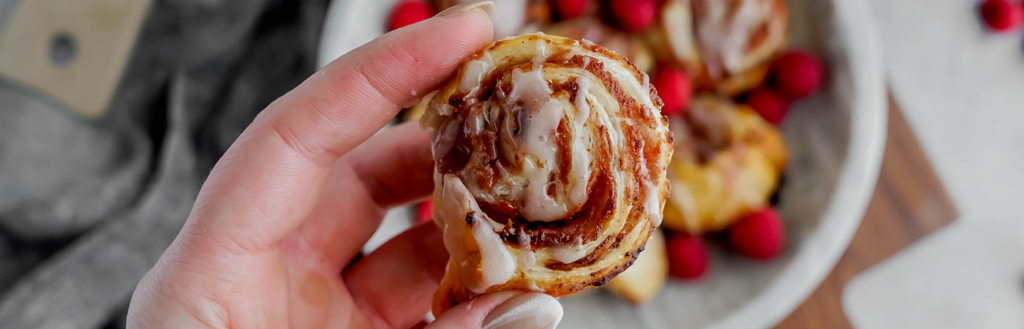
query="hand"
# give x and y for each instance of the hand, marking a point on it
(271, 240)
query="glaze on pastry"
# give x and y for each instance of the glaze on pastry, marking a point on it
(593, 30)
(726, 164)
(725, 45)
(550, 158)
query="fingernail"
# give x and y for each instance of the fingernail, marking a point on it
(527, 311)
(485, 6)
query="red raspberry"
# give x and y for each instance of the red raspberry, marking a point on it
(408, 12)
(759, 235)
(674, 88)
(568, 9)
(424, 214)
(634, 15)
(687, 257)
(1002, 15)
(796, 74)
(770, 104)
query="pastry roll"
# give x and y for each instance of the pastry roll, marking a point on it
(592, 29)
(726, 164)
(550, 158)
(725, 45)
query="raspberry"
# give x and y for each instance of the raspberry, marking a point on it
(759, 235)
(568, 9)
(1002, 15)
(674, 88)
(424, 214)
(408, 12)
(634, 15)
(770, 104)
(796, 74)
(687, 257)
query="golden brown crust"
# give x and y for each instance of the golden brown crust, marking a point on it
(619, 137)
(593, 29)
(727, 163)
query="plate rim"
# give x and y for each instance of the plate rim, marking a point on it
(855, 185)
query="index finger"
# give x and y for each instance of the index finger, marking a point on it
(269, 179)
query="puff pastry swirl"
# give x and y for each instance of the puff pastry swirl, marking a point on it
(550, 158)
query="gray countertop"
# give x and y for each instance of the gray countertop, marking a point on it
(962, 89)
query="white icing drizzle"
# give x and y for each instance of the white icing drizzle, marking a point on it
(580, 173)
(651, 204)
(646, 86)
(496, 263)
(537, 140)
(476, 122)
(569, 253)
(527, 258)
(587, 43)
(475, 72)
(582, 107)
(728, 36)
(540, 55)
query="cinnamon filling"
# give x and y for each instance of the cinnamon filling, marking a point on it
(495, 157)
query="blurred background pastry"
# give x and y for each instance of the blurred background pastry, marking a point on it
(727, 164)
(725, 45)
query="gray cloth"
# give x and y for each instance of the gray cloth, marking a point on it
(86, 208)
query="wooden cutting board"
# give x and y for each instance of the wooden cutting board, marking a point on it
(909, 203)
(70, 51)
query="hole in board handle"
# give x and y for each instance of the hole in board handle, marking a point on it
(63, 49)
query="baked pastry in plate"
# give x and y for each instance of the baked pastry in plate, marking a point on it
(725, 45)
(727, 163)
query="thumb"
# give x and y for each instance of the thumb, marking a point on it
(503, 310)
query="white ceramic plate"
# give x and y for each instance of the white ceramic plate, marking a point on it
(836, 138)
